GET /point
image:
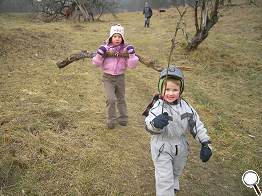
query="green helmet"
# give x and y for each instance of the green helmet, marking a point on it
(171, 72)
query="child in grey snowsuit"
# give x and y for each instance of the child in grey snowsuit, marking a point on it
(169, 120)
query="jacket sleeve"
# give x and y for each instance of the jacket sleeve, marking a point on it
(132, 61)
(199, 131)
(98, 60)
(153, 112)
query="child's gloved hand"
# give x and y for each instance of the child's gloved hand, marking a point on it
(101, 50)
(130, 49)
(161, 120)
(206, 151)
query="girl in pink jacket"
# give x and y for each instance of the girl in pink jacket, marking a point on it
(113, 68)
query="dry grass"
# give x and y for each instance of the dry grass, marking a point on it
(53, 135)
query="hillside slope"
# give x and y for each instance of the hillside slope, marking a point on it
(53, 135)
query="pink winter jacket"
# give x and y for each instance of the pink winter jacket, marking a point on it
(115, 65)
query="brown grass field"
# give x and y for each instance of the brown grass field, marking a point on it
(53, 139)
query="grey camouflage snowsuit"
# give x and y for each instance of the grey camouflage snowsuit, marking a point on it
(169, 149)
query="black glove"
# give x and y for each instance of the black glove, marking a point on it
(206, 151)
(161, 120)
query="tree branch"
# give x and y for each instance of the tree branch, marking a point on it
(87, 54)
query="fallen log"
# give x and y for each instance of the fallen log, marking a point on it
(87, 54)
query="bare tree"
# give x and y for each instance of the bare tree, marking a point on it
(208, 18)
(54, 9)
(252, 2)
(51, 9)
(91, 8)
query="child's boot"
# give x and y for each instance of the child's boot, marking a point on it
(110, 125)
(123, 123)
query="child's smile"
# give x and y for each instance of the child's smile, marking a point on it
(171, 92)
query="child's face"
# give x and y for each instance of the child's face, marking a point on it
(116, 39)
(171, 91)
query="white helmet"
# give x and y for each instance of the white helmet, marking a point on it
(171, 72)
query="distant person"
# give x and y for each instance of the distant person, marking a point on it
(169, 118)
(147, 11)
(113, 68)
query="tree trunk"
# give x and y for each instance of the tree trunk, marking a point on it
(206, 24)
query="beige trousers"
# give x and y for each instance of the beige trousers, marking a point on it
(115, 96)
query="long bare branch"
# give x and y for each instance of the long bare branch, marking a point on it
(87, 54)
